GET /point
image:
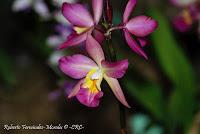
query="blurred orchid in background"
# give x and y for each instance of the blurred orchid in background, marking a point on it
(63, 28)
(39, 6)
(64, 89)
(188, 16)
(91, 73)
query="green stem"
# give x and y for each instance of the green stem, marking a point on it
(122, 111)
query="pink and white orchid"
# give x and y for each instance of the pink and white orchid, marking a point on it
(82, 21)
(91, 73)
(140, 27)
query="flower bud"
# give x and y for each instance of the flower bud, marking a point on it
(108, 11)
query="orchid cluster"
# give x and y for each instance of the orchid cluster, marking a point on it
(188, 16)
(89, 30)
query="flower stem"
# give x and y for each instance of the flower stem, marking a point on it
(122, 111)
(112, 29)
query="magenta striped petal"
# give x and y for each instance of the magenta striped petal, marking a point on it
(94, 49)
(116, 88)
(76, 89)
(97, 6)
(76, 66)
(141, 25)
(73, 40)
(115, 69)
(133, 44)
(129, 7)
(77, 15)
(88, 98)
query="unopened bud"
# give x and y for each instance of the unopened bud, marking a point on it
(108, 14)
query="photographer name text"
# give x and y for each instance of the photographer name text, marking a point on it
(43, 127)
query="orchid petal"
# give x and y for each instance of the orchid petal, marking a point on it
(77, 15)
(73, 40)
(129, 7)
(87, 98)
(97, 6)
(42, 9)
(141, 25)
(133, 45)
(20, 5)
(115, 87)
(54, 40)
(99, 36)
(143, 42)
(94, 49)
(76, 66)
(115, 69)
(182, 3)
(76, 89)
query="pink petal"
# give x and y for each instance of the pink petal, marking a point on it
(129, 7)
(97, 6)
(115, 69)
(73, 40)
(116, 88)
(181, 23)
(76, 88)
(133, 45)
(182, 3)
(94, 49)
(143, 42)
(99, 36)
(141, 25)
(77, 15)
(76, 66)
(88, 98)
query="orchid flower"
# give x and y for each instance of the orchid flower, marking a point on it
(188, 16)
(140, 27)
(62, 28)
(38, 5)
(91, 73)
(82, 21)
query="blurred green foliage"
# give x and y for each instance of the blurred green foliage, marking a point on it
(7, 72)
(177, 109)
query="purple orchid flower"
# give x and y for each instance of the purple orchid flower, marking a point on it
(91, 73)
(140, 27)
(64, 89)
(82, 21)
(39, 7)
(188, 16)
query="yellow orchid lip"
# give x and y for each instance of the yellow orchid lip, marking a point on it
(93, 80)
(80, 30)
(91, 84)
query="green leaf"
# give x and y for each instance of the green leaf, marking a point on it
(177, 68)
(7, 73)
(170, 56)
(148, 95)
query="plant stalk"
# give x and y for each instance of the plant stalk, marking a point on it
(122, 112)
